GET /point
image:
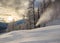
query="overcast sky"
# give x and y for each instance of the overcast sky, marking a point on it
(37, 2)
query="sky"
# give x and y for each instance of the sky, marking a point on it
(37, 2)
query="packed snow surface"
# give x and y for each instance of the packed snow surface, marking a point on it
(49, 34)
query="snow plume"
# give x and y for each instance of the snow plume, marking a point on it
(51, 13)
(46, 16)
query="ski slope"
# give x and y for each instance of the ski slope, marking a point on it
(49, 34)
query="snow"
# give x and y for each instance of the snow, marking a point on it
(49, 34)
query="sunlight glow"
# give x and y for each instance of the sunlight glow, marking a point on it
(10, 19)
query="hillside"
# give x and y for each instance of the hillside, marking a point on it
(50, 34)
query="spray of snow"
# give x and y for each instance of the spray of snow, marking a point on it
(51, 13)
(47, 15)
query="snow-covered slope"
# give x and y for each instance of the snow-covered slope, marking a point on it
(50, 34)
